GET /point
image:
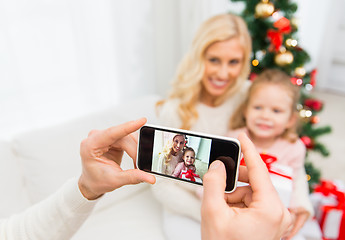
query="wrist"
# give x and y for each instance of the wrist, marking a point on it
(86, 191)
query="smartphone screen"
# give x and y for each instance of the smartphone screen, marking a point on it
(185, 155)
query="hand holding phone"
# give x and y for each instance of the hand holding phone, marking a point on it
(254, 210)
(185, 155)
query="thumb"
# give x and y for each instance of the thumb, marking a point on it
(214, 184)
(135, 176)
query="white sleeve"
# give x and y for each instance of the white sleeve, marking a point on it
(56, 218)
(300, 192)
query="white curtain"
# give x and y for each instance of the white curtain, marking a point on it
(61, 59)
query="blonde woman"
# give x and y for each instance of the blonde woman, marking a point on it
(210, 82)
(211, 79)
(171, 155)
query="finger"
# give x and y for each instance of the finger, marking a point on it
(243, 174)
(214, 182)
(240, 195)
(299, 222)
(129, 145)
(135, 176)
(131, 149)
(113, 134)
(237, 205)
(135, 136)
(258, 176)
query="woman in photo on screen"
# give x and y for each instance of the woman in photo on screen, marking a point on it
(171, 155)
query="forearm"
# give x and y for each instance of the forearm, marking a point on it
(58, 217)
(300, 194)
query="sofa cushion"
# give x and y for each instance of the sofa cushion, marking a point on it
(139, 217)
(13, 197)
(50, 156)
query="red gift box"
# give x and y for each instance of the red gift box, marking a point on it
(332, 217)
(281, 177)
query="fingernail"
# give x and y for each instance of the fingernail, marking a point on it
(215, 165)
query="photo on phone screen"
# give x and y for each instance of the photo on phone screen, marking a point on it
(179, 155)
(186, 155)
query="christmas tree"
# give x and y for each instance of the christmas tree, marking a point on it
(273, 28)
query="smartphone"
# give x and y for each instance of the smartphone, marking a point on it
(185, 155)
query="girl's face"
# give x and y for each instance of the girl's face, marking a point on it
(223, 65)
(178, 143)
(189, 158)
(269, 112)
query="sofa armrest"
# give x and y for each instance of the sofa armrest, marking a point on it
(50, 156)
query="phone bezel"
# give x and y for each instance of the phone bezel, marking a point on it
(192, 133)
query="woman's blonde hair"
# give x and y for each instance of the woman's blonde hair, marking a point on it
(187, 84)
(168, 148)
(272, 77)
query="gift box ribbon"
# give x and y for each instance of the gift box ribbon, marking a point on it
(327, 188)
(190, 175)
(268, 160)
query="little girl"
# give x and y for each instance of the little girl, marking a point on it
(269, 117)
(186, 169)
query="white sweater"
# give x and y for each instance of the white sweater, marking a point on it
(58, 217)
(212, 120)
(183, 198)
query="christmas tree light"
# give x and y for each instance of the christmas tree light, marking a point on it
(273, 28)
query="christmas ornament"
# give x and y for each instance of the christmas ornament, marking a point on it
(283, 58)
(308, 142)
(305, 114)
(255, 62)
(308, 87)
(313, 77)
(295, 22)
(296, 81)
(252, 76)
(314, 119)
(300, 72)
(276, 36)
(264, 9)
(291, 42)
(313, 104)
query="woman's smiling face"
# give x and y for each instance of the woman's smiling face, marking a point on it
(223, 65)
(178, 143)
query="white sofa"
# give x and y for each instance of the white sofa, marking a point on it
(35, 164)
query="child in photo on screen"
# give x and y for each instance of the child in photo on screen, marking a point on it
(186, 169)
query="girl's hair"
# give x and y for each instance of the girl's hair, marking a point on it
(273, 77)
(187, 86)
(188, 149)
(168, 148)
